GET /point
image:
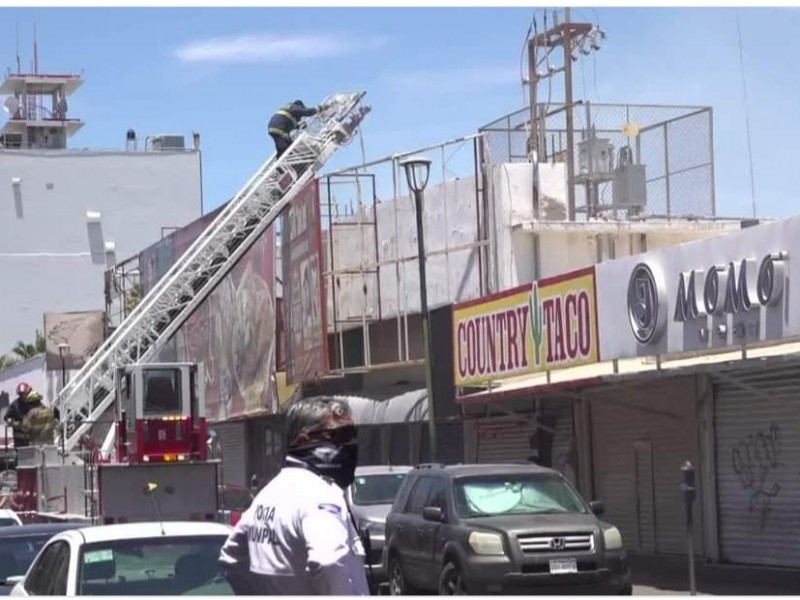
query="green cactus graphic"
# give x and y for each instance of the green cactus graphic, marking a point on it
(536, 323)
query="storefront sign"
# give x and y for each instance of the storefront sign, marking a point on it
(550, 324)
(715, 293)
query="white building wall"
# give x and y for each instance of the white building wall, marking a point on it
(51, 258)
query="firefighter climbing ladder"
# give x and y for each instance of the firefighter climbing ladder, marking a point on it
(207, 261)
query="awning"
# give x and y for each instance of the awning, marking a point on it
(411, 407)
(634, 368)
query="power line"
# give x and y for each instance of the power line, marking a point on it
(746, 116)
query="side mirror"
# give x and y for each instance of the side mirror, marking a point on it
(14, 580)
(597, 507)
(433, 513)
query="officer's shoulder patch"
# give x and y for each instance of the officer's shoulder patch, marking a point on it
(331, 508)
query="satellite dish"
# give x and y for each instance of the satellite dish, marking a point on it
(11, 105)
(630, 130)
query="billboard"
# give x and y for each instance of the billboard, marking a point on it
(710, 294)
(303, 291)
(550, 324)
(83, 332)
(233, 331)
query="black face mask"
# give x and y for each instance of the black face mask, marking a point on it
(335, 461)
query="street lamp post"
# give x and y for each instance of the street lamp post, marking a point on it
(62, 350)
(417, 171)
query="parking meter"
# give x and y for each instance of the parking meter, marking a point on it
(687, 483)
(689, 492)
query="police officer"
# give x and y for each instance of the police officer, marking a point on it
(285, 120)
(298, 536)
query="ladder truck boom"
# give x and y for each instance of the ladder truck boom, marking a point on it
(204, 264)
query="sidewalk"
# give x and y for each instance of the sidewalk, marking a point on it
(670, 575)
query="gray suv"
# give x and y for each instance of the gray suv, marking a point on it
(371, 497)
(499, 529)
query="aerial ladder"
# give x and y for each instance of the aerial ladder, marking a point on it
(160, 314)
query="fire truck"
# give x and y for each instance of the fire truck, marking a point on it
(160, 467)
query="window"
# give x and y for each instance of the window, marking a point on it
(17, 554)
(4, 522)
(419, 496)
(42, 580)
(162, 392)
(377, 489)
(438, 495)
(515, 494)
(153, 567)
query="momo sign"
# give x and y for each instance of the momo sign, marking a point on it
(711, 294)
(550, 324)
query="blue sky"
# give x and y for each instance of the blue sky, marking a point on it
(431, 74)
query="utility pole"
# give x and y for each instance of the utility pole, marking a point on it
(568, 36)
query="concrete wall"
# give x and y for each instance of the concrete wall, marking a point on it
(564, 246)
(450, 221)
(51, 259)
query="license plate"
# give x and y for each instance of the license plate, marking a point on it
(568, 565)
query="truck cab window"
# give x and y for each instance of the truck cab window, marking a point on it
(162, 392)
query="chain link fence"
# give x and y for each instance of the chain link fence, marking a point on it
(674, 143)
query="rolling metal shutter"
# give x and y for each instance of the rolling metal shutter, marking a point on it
(503, 439)
(449, 442)
(641, 434)
(234, 456)
(757, 430)
(564, 451)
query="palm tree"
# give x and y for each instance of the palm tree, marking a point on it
(25, 351)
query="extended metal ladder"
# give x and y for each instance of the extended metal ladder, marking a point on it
(204, 264)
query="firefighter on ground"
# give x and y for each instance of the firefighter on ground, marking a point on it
(18, 410)
(40, 422)
(285, 121)
(298, 536)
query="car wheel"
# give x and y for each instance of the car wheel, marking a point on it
(451, 582)
(397, 580)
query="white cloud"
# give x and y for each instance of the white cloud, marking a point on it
(263, 48)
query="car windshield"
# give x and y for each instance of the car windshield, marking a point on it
(377, 489)
(515, 494)
(153, 567)
(17, 554)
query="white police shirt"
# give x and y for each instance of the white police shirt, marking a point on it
(297, 538)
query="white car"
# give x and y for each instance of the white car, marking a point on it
(9, 517)
(134, 559)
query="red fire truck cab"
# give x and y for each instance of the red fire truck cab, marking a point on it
(160, 413)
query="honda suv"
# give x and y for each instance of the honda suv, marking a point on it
(499, 529)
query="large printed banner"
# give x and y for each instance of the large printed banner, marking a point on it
(233, 331)
(550, 324)
(82, 332)
(304, 300)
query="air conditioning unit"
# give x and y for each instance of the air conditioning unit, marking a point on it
(159, 143)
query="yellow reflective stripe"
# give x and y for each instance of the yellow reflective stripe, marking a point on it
(288, 115)
(275, 131)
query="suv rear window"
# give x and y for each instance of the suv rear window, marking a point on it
(377, 489)
(494, 495)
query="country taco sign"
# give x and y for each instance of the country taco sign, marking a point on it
(550, 324)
